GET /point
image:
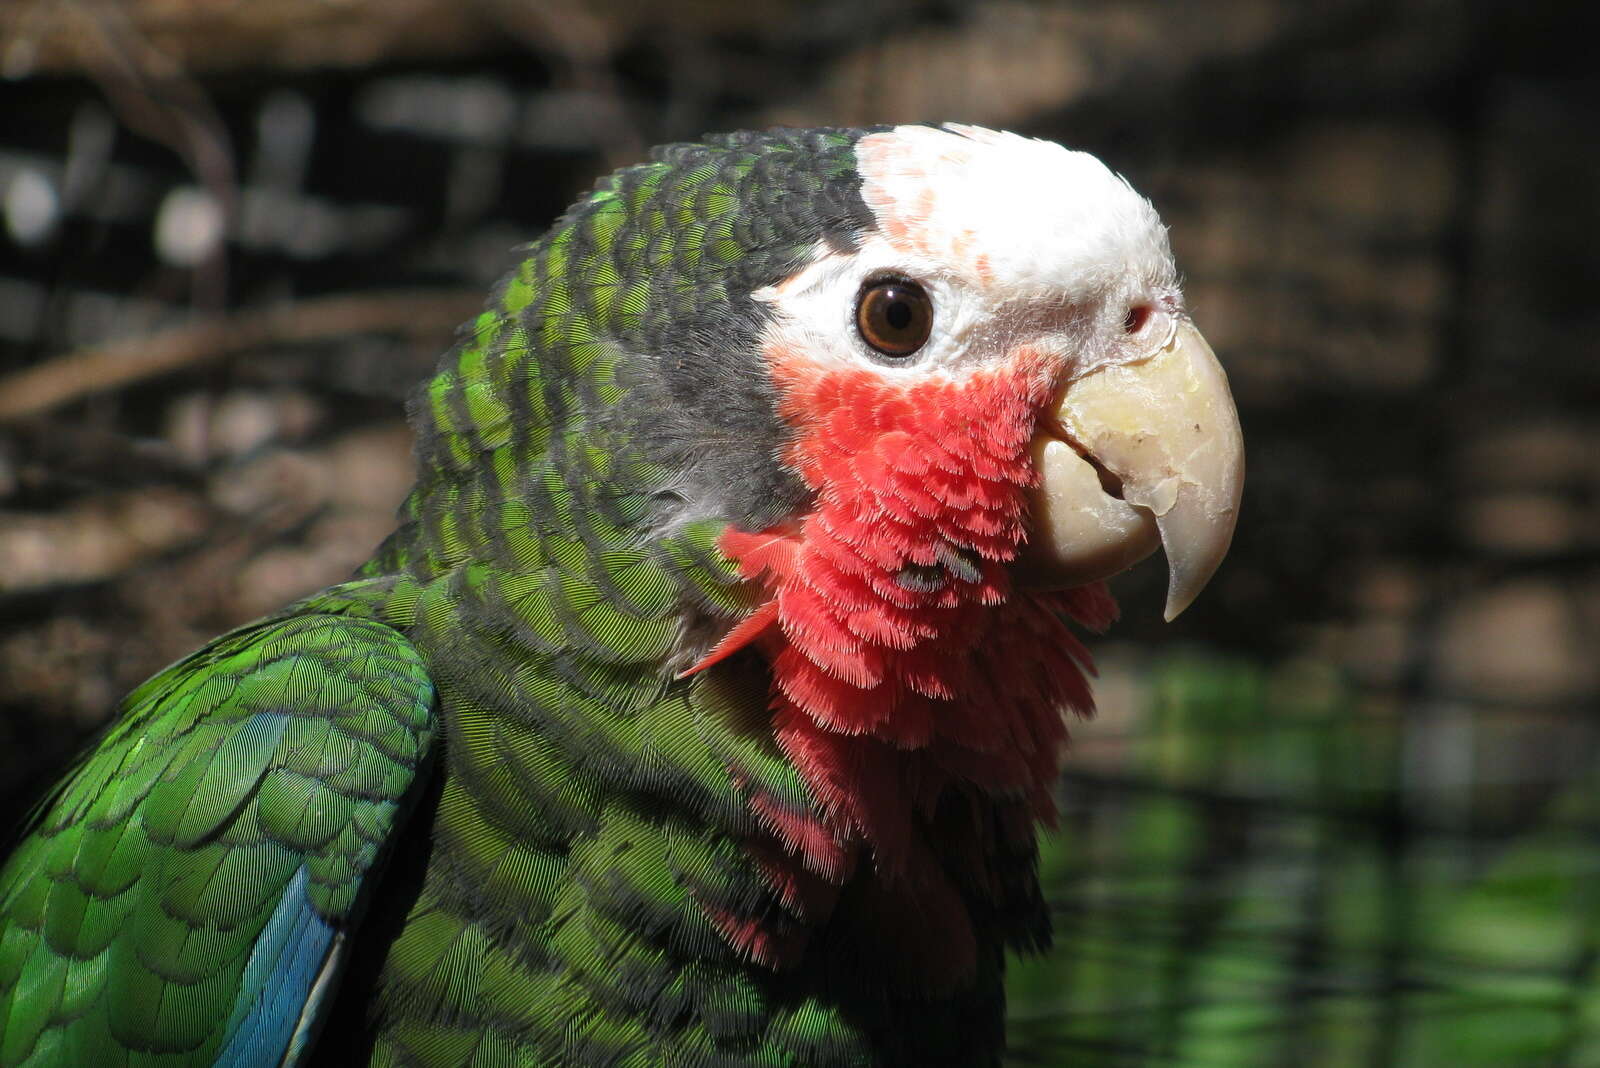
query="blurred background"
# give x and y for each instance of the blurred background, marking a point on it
(1346, 811)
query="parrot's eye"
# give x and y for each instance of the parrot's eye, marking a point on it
(894, 316)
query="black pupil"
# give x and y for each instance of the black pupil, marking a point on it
(899, 312)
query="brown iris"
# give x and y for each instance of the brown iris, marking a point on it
(894, 316)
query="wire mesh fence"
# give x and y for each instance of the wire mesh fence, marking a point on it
(1266, 867)
(1355, 827)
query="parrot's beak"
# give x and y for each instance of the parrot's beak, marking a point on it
(1139, 455)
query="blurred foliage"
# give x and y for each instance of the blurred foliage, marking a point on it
(1265, 874)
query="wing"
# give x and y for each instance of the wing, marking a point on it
(187, 894)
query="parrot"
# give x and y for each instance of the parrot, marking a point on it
(707, 703)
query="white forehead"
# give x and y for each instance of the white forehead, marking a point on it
(1015, 240)
(1010, 214)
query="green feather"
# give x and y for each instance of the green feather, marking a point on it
(133, 905)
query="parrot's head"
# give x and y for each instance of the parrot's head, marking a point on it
(1010, 321)
(933, 367)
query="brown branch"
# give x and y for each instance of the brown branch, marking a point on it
(202, 36)
(100, 368)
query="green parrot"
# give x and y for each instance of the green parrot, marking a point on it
(705, 704)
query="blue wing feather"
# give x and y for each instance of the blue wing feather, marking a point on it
(287, 959)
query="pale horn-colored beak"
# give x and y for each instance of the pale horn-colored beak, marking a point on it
(1142, 454)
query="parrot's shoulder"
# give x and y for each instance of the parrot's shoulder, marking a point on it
(192, 883)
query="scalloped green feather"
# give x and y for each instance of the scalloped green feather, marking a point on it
(174, 841)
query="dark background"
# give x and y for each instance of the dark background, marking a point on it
(1344, 811)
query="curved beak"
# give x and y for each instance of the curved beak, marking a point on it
(1139, 455)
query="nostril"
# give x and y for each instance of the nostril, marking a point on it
(1137, 316)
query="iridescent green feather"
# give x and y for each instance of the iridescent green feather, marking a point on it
(593, 810)
(129, 914)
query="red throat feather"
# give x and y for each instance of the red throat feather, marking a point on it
(904, 663)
